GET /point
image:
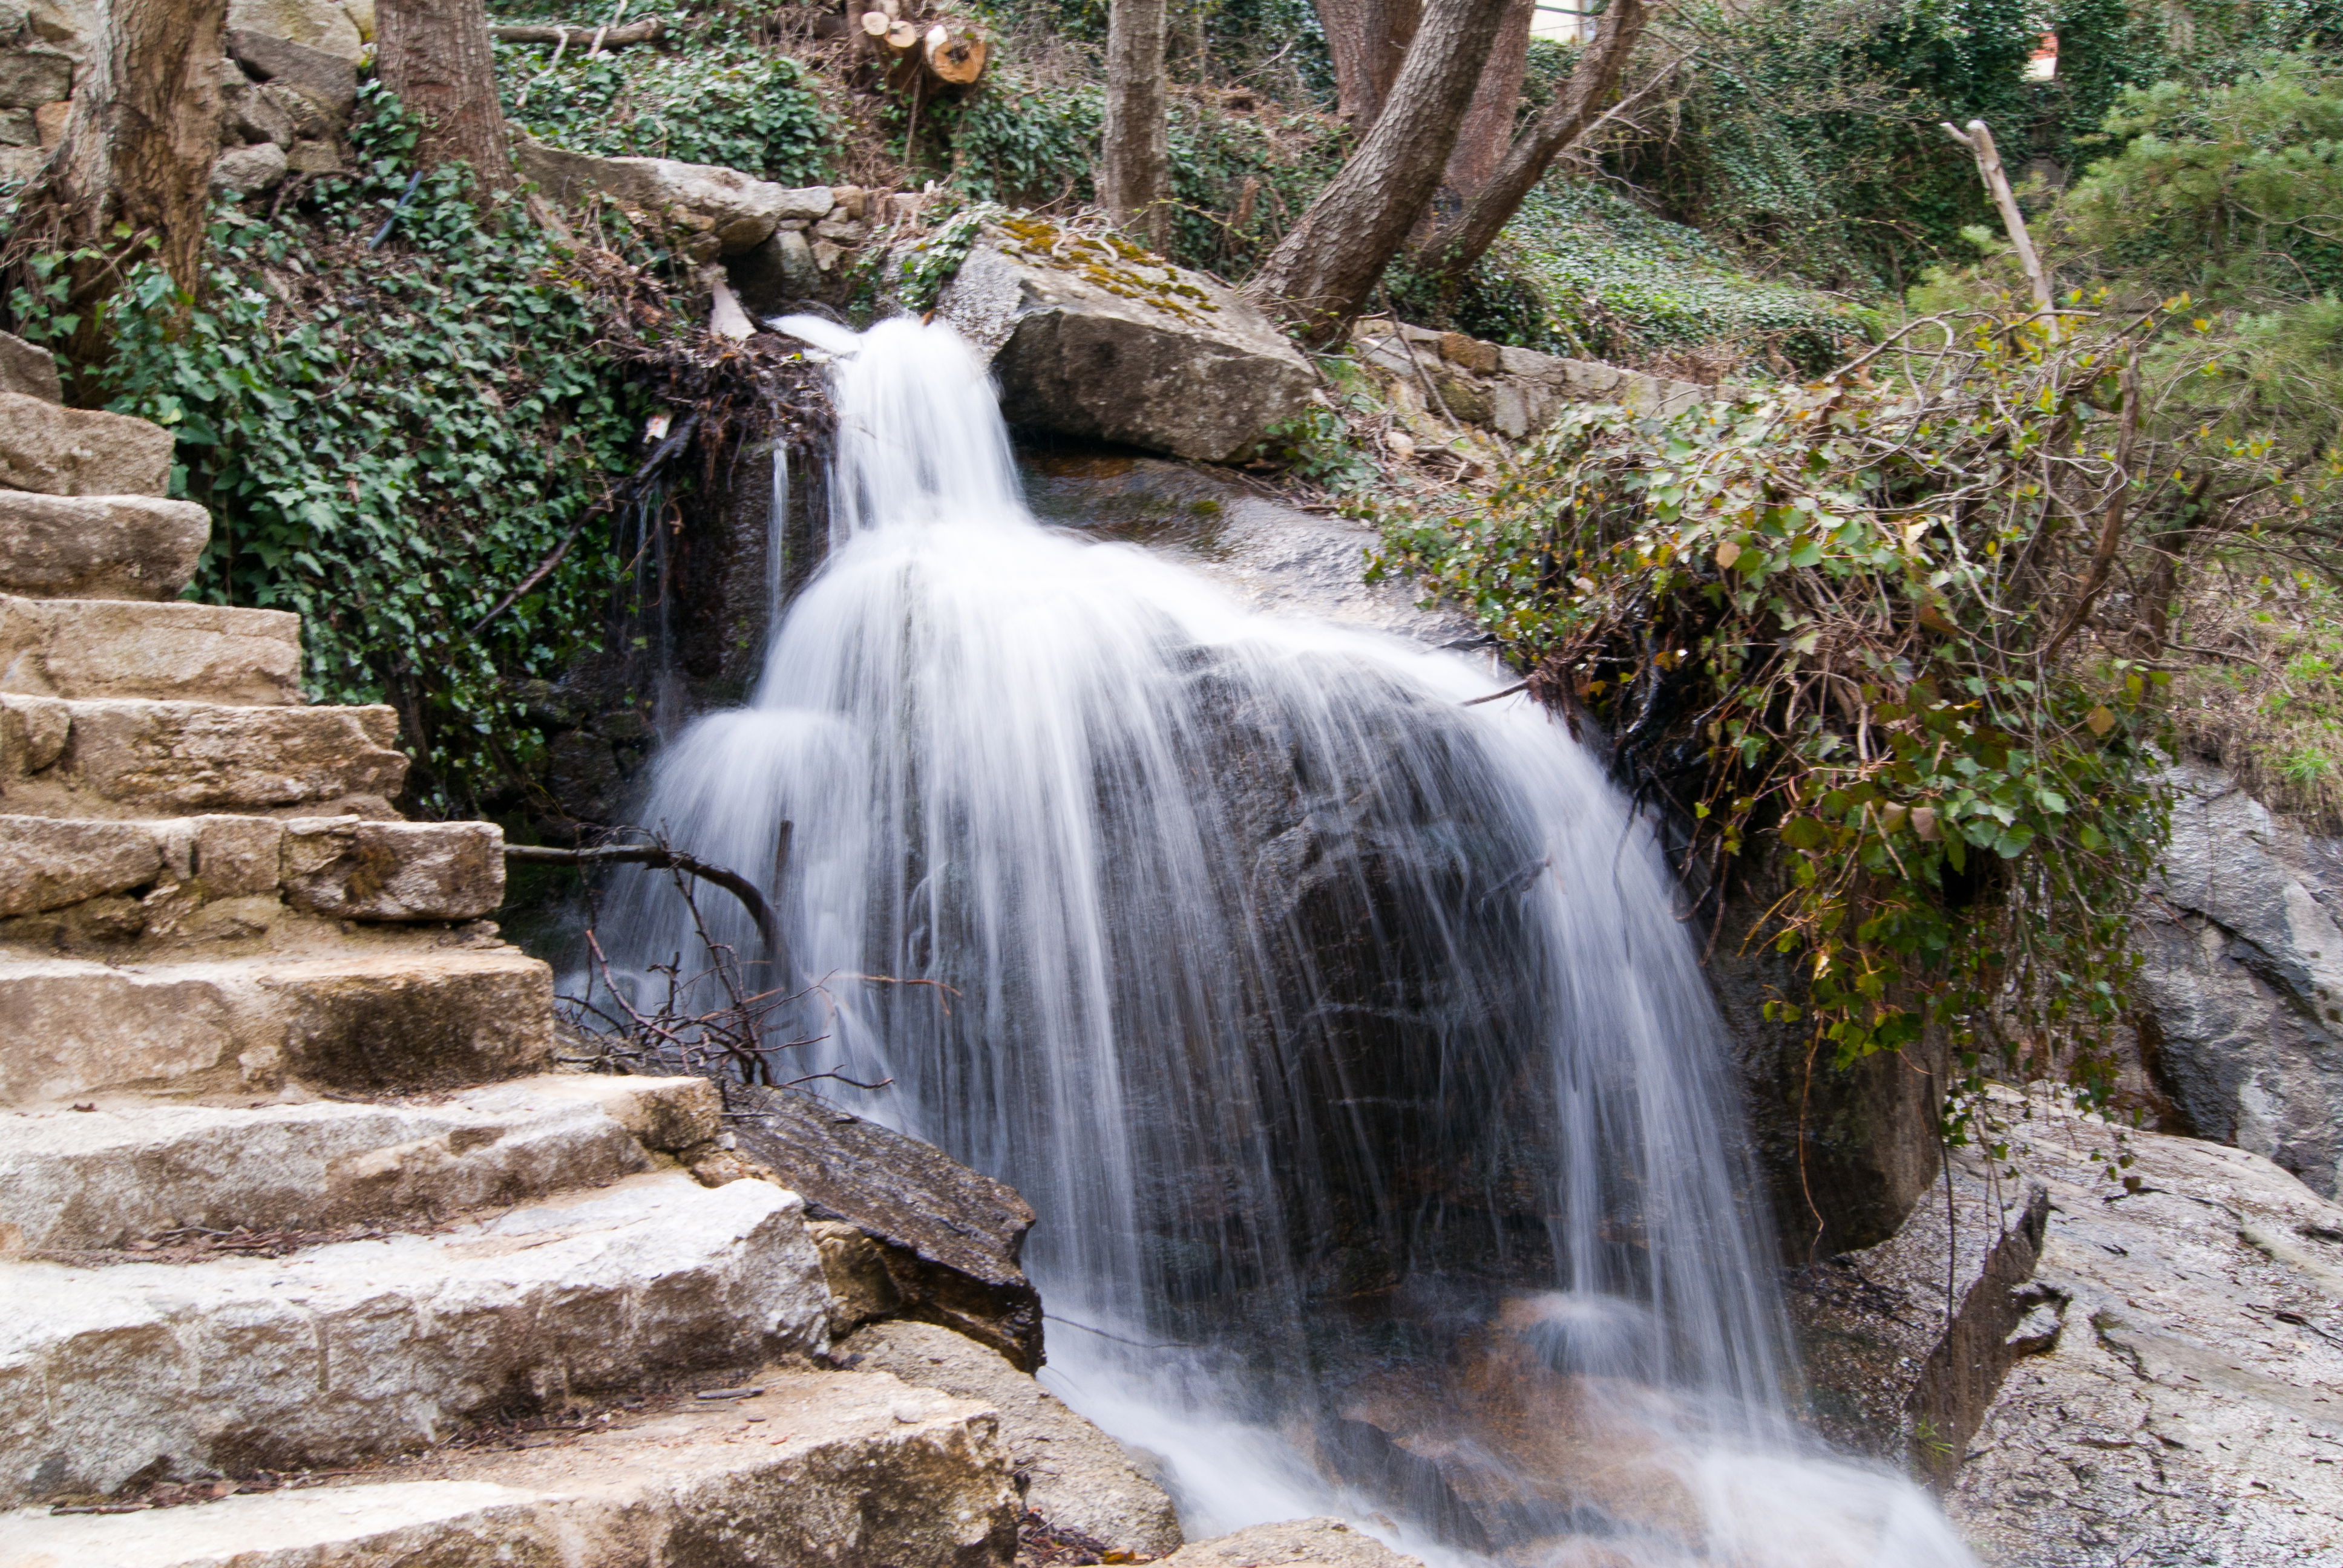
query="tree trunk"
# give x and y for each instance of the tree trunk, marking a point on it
(137, 150)
(434, 55)
(1320, 275)
(1367, 39)
(1134, 181)
(1489, 122)
(1570, 116)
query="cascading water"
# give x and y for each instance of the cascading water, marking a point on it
(1341, 1034)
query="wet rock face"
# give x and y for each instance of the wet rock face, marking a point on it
(2242, 994)
(2176, 1400)
(1846, 1152)
(1389, 971)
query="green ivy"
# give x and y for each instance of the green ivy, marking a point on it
(389, 439)
(721, 104)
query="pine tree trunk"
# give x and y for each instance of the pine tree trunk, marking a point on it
(434, 54)
(1319, 276)
(1489, 122)
(1573, 112)
(1367, 40)
(1134, 181)
(137, 150)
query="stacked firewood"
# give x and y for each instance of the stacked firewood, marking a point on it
(943, 49)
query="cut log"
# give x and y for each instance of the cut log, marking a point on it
(959, 61)
(903, 37)
(572, 37)
(875, 23)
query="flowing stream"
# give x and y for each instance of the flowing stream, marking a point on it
(1341, 1034)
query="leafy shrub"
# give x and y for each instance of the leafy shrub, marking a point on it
(1844, 620)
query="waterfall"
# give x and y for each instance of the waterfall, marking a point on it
(1341, 1034)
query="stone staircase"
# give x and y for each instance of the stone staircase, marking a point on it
(308, 1252)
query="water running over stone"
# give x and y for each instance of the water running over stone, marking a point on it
(1341, 1034)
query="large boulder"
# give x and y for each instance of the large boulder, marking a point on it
(947, 1238)
(1092, 338)
(1077, 1477)
(2241, 1028)
(728, 212)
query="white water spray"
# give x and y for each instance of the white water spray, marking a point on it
(1371, 1096)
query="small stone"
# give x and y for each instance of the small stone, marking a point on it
(1481, 358)
(17, 130)
(826, 254)
(49, 121)
(29, 370)
(248, 171)
(313, 158)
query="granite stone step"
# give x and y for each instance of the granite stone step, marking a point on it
(369, 1021)
(126, 647)
(127, 1169)
(98, 546)
(823, 1469)
(360, 1349)
(154, 875)
(61, 451)
(122, 756)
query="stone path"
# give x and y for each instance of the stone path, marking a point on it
(308, 1253)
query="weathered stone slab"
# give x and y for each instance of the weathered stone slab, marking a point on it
(344, 867)
(319, 24)
(31, 371)
(365, 1348)
(126, 647)
(1087, 340)
(834, 1470)
(949, 1237)
(428, 1019)
(119, 757)
(134, 1168)
(46, 863)
(735, 212)
(1327, 1541)
(98, 546)
(363, 870)
(2184, 1401)
(31, 76)
(328, 79)
(59, 451)
(1078, 1477)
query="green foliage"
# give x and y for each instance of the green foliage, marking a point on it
(720, 102)
(1588, 273)
(1240, 180)
(2233, 192)
(1316, 446)
(389, 440)
(1021, 144)
(1839, 620)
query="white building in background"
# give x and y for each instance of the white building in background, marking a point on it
(1564, 21)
